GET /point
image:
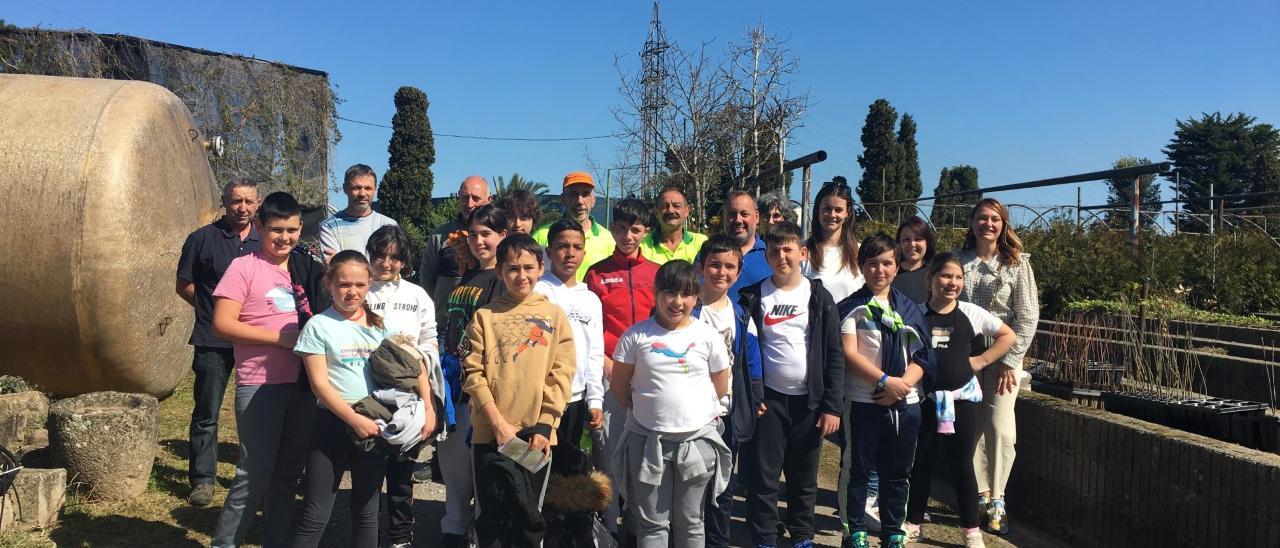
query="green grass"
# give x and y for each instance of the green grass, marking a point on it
(160, 516)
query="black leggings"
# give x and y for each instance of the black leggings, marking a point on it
(957, 451)
(333, 453)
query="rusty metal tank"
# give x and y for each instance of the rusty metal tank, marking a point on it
(102, 181)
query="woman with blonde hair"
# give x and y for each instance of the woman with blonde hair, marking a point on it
(998, 277)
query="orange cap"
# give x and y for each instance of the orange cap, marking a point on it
(579, 178)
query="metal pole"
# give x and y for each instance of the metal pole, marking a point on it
(1134, 215)
(1211, 231)
(1077, 206)
(608, 208)
(804, 200)
(883, 198)
(1222, 212)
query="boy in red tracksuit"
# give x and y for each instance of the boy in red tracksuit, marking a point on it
(624, 283)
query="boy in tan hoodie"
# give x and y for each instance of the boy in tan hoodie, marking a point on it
(518, 368)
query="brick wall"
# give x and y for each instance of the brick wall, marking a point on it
(1100, 479)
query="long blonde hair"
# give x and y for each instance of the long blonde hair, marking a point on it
(1007, 243)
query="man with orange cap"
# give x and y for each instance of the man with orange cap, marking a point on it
(578, 197)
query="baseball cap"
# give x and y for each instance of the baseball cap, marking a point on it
(579, 178)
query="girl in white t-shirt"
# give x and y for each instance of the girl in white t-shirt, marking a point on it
(832, 242)
(669, 372)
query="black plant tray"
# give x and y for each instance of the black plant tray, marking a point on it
(1215, 417)
(1260, 432)
(1146, 406)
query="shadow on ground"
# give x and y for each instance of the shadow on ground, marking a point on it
(81, 529)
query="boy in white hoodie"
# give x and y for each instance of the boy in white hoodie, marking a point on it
(565, 250)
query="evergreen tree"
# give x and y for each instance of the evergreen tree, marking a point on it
(954, 211)
(405, 194)
(1233, 153)
(879, 159)
(909, 185)
(1120, 195)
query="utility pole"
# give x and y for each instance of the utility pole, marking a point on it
(654, 75)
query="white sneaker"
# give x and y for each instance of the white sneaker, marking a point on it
(973, 539)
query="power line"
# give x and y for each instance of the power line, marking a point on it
(487, 138)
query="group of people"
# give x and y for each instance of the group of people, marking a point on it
(688, 368)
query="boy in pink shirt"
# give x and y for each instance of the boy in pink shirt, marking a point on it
(257, 307)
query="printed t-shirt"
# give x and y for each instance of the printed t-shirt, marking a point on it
(671, 390)
(784, 349)
(868, 332)
(836, 278)
(476, 289)
(346, 346)
(265, 293)
(722, 321)
(953, 334)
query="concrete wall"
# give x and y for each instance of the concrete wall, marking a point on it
(1099, 479)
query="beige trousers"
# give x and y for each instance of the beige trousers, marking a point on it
(997, 434)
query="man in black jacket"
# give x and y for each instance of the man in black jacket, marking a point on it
(799, 336)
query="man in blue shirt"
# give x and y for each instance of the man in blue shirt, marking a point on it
(740, 220)
(205, 257)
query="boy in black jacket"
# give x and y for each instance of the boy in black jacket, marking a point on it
(799, 332)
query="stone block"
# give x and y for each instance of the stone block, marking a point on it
(35, 499)
(21, 413)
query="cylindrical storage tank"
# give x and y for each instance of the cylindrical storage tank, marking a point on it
(103, 181)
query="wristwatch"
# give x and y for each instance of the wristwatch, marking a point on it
(880, 383)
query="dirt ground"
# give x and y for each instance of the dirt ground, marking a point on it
(161, 517)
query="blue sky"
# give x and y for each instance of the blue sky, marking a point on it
(1022, 90)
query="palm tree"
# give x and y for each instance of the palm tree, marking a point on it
(537, 188)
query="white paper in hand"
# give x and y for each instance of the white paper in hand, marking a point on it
(527, 457)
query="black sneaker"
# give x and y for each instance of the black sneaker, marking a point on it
(201, 495)
(453, 541)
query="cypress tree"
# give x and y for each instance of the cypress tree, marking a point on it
(909, 184)
(879, 159)
(405, 194)
(947, 212)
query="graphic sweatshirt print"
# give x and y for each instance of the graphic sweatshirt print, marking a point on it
(521, 357)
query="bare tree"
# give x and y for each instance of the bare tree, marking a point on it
(724, 122)
(760, 73)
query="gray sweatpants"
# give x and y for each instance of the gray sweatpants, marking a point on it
(274, 425)
(672, 510)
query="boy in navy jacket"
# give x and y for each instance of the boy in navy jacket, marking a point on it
(720, 263)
